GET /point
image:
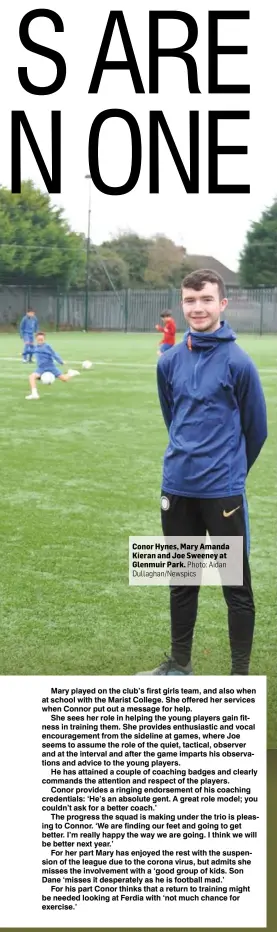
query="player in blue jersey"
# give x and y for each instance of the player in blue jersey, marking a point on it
(46, 358)
(28, 329)
(214, 410)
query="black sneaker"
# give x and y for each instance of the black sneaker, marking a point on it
(169, 667)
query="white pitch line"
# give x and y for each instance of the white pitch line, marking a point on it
(98, 362)
(111, 362)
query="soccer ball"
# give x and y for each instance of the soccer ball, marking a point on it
(47, 378)
(86, 364)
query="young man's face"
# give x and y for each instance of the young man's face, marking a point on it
(40, 339)
(202, 309)
(30, 313)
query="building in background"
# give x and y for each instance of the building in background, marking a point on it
(208, 262)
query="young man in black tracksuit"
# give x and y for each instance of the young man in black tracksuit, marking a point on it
(214, 409)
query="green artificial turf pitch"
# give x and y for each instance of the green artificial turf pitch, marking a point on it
(80, 472)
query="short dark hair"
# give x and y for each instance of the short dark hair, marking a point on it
(165, 314)
(200, 277)
(30, 309)
(41, 333)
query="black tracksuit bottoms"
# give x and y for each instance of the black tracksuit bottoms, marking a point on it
(183, 516)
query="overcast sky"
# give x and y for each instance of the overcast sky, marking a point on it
(204, 223)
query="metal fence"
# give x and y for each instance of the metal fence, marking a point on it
(249, 310)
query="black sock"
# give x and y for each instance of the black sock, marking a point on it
(183, 607)
(241, 629)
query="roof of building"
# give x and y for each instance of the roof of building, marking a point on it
(208, 262)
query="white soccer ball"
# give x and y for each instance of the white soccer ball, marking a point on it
(47, 378)
(86, 364)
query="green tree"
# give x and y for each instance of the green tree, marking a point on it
(258, 260)
(36, 242)
(166, 263)
(133, 250)
(106, 266)
(106, 270)
(156, 262)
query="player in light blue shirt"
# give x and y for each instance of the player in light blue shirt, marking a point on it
(46, 358)
(28, 328)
